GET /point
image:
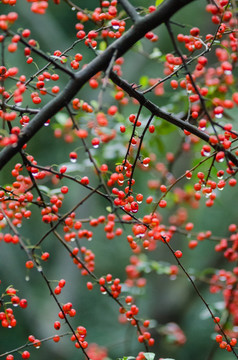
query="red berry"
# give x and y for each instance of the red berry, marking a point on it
(23, 303)
(64, 189)
(25, 355)
(178, 254)
(57, 325)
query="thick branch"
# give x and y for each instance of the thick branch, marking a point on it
(131, 11)
(122, 45)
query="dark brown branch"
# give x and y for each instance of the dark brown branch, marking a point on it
(122, 45)
(156, 110)
(130, 10)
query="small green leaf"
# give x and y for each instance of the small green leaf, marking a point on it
(94, 104)
(102, 45)
(157, 3)
(144, 80)
(44, 189)
(61, 118)
(156, 53)
(149, 356)
(109, 209)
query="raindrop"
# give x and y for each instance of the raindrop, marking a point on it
(218, 116)
(73, 161)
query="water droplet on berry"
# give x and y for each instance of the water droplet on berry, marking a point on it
(115, 27)
(173, 277)
(206, 153)
(218, 116)
(73, 161)
(95, 146)
(227, 72)
(15, 305)
(146, 165)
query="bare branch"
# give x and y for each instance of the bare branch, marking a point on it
(130, 10)
(122, 45)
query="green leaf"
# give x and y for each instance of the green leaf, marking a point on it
(102, 45)
(157, 3)
(144, 80)
(149, 356)
(44, 189)
(94, 104)
(61, 118)
(156, 53)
